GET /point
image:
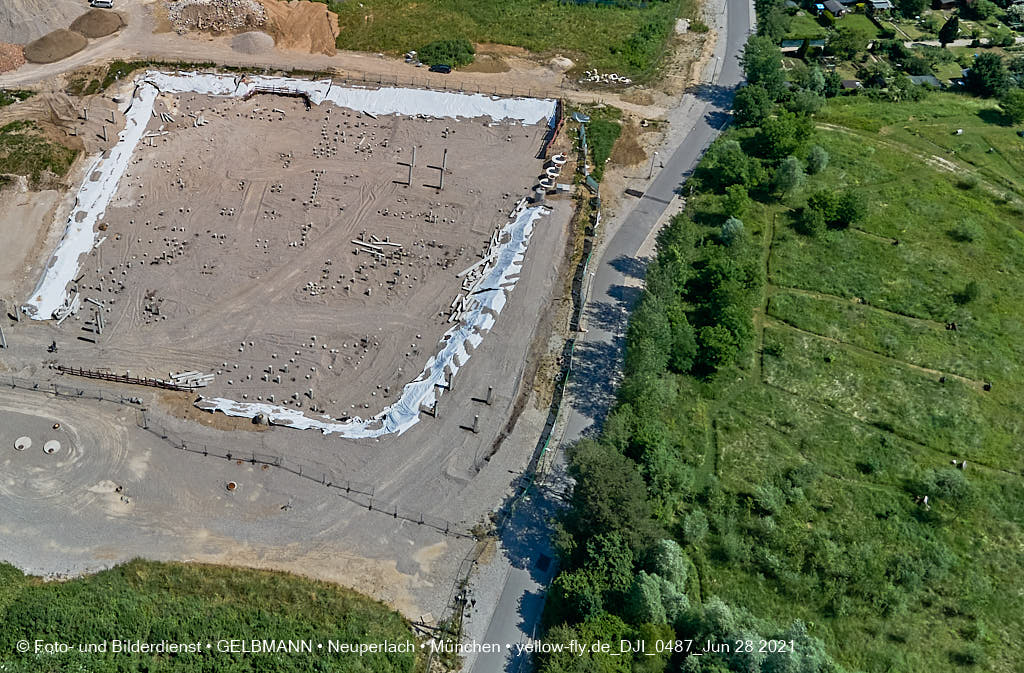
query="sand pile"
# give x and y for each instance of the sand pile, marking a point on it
(11, 57)
(98, 23)
(55, 46)
(215, 15)
(253, 42)
(303, 26)
(22, 21)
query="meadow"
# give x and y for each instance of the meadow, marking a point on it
(629, 39)
(187, 603)
(793, 394)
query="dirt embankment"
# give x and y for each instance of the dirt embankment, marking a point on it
(302, 26)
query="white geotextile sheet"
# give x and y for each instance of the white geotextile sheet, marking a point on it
(94, 195)
(90, 205)
(499, 278)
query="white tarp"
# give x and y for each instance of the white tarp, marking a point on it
(383, 101)
(497, 280)
(90, 205)
(94, 195)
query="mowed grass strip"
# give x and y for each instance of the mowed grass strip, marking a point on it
(627, 40)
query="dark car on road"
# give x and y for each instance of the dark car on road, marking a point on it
(441, 67)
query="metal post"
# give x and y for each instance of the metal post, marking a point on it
(3, 341)
(444, 167)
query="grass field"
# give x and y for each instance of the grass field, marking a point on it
(874, 365)
(860, 384)
(150, 602)
(805, 26)
(25, 151)
(629, 41)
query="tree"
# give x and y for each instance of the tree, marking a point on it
(833, 84)
(982, 9)
(762, 64)
(609, 495)
(847, 41)
(810, 222)
(911, 8)
(727, 164)
(752, 105)
(718, 346)
(732, 231)
(783, 134)
(695, 527)
(788, 175)
(736, 200)
(817, 160)
(774, 24)
(812, 79)
(804, 101)
(849, 210)
(1012, 105)
(1015, 13)
(643, 602)
(988, 75)
(669, 562)
(949, 30)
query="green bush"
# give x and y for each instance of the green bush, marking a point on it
(455, 53)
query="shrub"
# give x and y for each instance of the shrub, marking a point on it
(732, 231)
(456, 52)
(817, 160)
(966, 231)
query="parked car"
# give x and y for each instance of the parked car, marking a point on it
(441, 68)
(102, 4)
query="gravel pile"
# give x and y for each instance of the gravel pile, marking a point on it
(215, 15)
(11, 57)
(55, 46)
(98, 23)
(253, 42)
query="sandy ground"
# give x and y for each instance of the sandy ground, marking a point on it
(68, 514)
(236, 258)
(22, 21)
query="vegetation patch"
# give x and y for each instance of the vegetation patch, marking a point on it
(628, 39)
(10, 96)
(189, 603)
(816, 431)
(24, 150)
(455, 53)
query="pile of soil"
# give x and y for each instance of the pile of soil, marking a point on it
(22, 21)
(55, 46)
(253, 42)
(11, 57)
(98, 23)
(303, 26)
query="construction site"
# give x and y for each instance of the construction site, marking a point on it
(367, 267)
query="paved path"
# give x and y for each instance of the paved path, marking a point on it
(614, 287)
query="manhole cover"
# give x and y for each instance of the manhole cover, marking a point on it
(52, 446)
(231, 486)
(22, 443)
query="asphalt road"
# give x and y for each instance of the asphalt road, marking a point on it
(599, 350)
